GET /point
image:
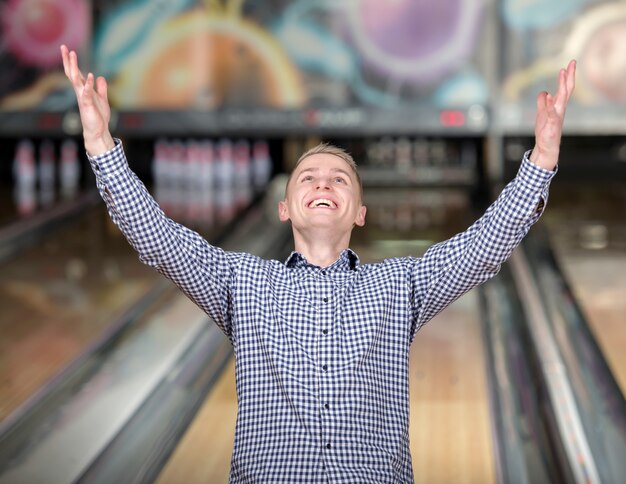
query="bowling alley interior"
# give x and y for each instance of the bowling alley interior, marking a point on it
(110, 373)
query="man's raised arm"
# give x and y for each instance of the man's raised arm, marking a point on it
(202, 271)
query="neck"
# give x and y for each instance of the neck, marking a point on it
(320, 249)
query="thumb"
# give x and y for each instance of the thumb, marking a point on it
(542, 100)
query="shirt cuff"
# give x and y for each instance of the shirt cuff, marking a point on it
(111, 161)
(534, 176)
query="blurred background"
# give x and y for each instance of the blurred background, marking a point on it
(108, 372)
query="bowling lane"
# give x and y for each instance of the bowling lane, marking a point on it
(203, 454)
(9, 210)
(588, 233)
(450, 427)
(57, 297)
(16, 206)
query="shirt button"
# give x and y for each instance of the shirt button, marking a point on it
(325, 331)
(328, 446)
(325, 367)
(325, 299)
(326, 406)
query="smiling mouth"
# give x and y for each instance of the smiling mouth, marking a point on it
(323, 203)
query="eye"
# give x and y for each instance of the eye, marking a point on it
(340, 180)
(306, 178)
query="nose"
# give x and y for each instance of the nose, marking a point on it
(323, 183)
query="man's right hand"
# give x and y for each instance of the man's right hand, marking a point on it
(93, 105)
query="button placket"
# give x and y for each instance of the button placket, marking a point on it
(326, 314)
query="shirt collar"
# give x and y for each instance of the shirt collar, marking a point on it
(348, 260)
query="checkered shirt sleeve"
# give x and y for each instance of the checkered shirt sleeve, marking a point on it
(204, 273)
(451, 268)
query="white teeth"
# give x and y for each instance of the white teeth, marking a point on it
(322, 202)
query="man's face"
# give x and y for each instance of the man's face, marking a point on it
(323, 192)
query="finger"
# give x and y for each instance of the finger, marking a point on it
(571, 77)
(550, 103)
(541, 101)
(75, 75)
(569, 81)
(102, 88)
(66, 61)
(562, 95)
(87, 96)
(77, 70)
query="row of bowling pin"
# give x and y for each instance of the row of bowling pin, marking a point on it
(206, 181)
(416, 210)
(35, 171)
(404, 152)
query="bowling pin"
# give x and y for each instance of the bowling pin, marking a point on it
(24, 177)
(46, 172)
(158, 165)
(403, 156)
(261, 165)
(421, 152)
(242, 174)
(224, 178)
(177, 166)
(387, 151)
(207, 182)
(70, 169)
(193, 182)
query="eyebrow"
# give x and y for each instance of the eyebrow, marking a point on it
(335, 170)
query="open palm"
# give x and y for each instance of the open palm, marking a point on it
(93, 104)
(549, 120)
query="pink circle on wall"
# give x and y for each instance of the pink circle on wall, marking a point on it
(34, 29)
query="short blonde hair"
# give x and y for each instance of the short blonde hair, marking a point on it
(330, 149)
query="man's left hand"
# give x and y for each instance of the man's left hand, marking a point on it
(549, 120)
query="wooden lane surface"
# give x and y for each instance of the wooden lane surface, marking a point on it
(451, 433)
(450, 427)
(587, 230)
(203, 454)
(598, 281)
(58, 297)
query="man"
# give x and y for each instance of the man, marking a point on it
(321, 342)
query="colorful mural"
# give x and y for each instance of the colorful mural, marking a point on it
(594, 33)
(32, 31)
(213, 54)
(296, 54)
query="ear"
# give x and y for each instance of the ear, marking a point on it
(360, 216)
(283, 211)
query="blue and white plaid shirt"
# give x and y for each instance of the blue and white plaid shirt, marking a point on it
(321, 353)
